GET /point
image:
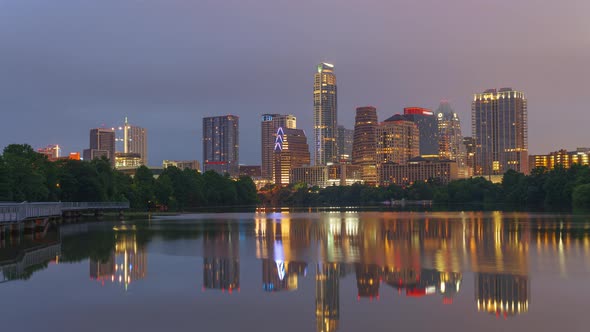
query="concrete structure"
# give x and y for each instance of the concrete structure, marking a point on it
(135, 141)
(325, 115)
(102, 144)
(499, 128)
(221, 144)
(562, 157)
(398, 140)
(428, 127)
(418, 169)
(182, 164)
(11, 213)
(365, 142)
(324, 176)
(291, 151)
(269, 125)
(123, 159)
(52, 152)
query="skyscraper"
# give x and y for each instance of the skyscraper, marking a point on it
(499, 127)
(398, 140)
(325, 115)
(102, 144)
(291, 150)
(428, 127)
(450, 140)
(270, 124)
(344, 140)
(365, 142)
(135, 141)
(221, 144)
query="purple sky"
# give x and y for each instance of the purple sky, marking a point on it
(70, 65)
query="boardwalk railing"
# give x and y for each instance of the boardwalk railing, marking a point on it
(17, 212)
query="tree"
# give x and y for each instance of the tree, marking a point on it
(581, 197)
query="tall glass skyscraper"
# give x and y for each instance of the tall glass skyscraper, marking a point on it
(499, 127)
(221, 144)
(325, 115)
(426, 122)
(135, 141)
(450, 140)
(364, 143)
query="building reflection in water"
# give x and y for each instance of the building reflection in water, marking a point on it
(327, 296)
(126, 264)
(502, 294)
(221, 259)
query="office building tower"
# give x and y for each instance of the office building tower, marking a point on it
(345, 137)
(469, 144)
(221, 144)
(291, 150)
(325, 115)
(450, 139)
(428, 127)
(365, 142)
(499, 127)
(398, 140)
(270, 124)
(135, 141)
(102, 144)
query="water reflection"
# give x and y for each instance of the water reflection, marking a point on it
(413, 255)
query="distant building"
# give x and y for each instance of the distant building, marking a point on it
(324, 176)
(102, 144)
(563, 158)
(221, 144)
(344, 141)
(123, 160)
(418, 169)
(52, 152)
(398, 140)
(253, 171)
(291, 151)
(182, 164)
(499, 120)
(450, 139)
(269, 125)
(135, 141)
(428, 127)
(325, 115)
(469, 144)
(365, 142)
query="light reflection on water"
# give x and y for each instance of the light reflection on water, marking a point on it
(387, 260)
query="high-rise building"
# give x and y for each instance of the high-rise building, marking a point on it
(221, 144)
(469, 144)
(102, 144)
(345, 138)
(365, 142)
(325, 115)
(499, 127)
(450, 139)
(270, 124)
(135, 141)
(428, 127)
(291, 150)
(398, 140)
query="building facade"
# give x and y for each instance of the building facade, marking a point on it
(128, 160)
(325, 115)
(324, 176)
(398, 140)
(102, 144)
(182, 164)
(269, 125)
(221, 144)
(561, 158)
(418, 169)
(253, 171)
(450, 139)
(364, 144)
(428, 127)
(499, 127)
(291, 151)
(135, 141)
(52, 152)
(345, 139)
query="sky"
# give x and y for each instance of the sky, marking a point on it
(70, 65)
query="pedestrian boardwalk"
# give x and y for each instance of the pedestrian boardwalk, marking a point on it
(18, 212)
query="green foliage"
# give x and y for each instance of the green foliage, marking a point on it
(581, 197)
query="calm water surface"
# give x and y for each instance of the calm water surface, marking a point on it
(339, 271)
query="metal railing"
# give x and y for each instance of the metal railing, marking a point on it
(17, 212)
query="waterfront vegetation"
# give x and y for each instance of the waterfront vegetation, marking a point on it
(26, 175)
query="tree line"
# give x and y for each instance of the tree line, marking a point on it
(557, 189)
(26, 175)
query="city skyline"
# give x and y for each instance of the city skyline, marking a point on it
(160, 77)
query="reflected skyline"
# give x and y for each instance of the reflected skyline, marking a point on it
(412, 256)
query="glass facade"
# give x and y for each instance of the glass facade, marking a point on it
(325, 115)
